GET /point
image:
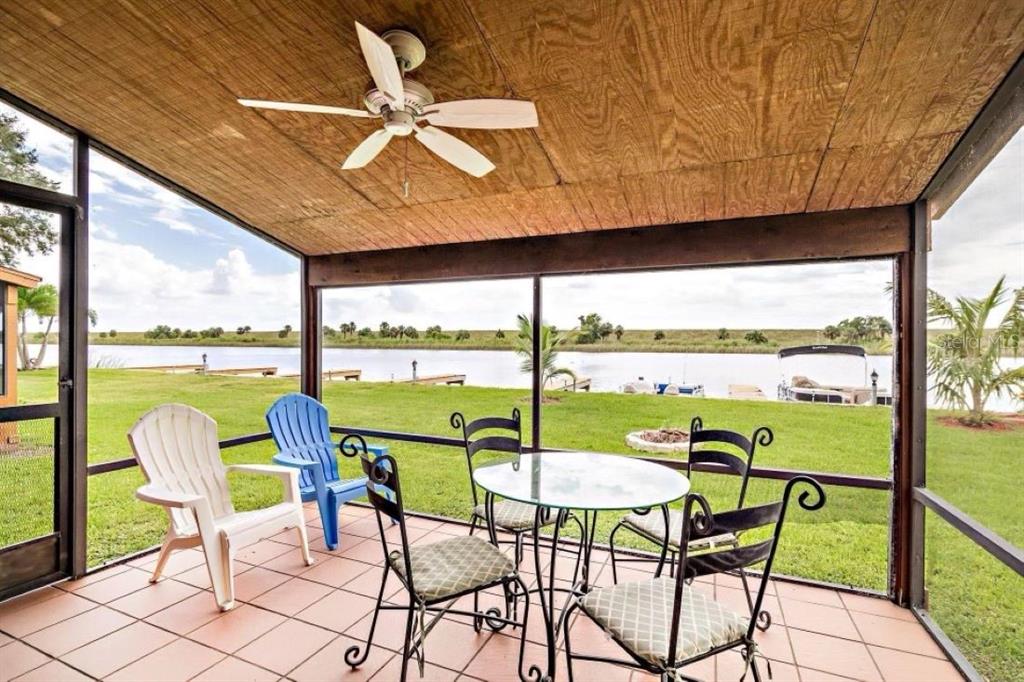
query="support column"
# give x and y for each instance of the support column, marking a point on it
(74, 332)
(906, 584)
(311, 334)
(537, 393)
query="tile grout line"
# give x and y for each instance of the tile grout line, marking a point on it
(50, 658)
(878, 668)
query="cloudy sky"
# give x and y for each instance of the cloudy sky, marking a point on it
(157, 259)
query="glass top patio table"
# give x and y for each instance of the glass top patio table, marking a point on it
(583, 480)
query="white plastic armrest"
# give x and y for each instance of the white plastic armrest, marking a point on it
(289, 477)
(167, 498)
(267, 469)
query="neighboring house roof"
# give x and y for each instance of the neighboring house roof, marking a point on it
(19, 278)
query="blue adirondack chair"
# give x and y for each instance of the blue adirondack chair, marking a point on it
(302, 434)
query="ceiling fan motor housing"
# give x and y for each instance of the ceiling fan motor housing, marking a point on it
(417, 98)
(399, 122)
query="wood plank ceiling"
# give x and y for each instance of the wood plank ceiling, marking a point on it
(652, 111)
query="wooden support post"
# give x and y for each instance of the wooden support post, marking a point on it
(311, 335)
(537, 394)
(906, 584)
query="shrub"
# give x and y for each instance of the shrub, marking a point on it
(755, 336)
(113, 333)
(365, 332)
(593, 329)
(723, 334)
(461, 335)
(659, 335)
(499, 334)
(103, 335)
(161, 331)
(285, 331)
(411, 333)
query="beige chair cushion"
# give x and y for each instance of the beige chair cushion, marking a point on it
(640, 615)
(512, 515)
(451, 566)
(652, 526)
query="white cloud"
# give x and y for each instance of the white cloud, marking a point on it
(133, 289)
(112, 181)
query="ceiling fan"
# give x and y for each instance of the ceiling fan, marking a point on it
(404, 105)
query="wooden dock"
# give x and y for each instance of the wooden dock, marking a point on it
(331, 374)
(746, 392)
(171, 369)
(564, 383)
(235, 371)
(447, 379)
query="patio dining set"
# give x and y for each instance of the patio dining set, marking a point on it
(526, 505)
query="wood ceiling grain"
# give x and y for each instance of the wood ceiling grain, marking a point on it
(652, 111)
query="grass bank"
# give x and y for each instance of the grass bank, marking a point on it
(981, 607)
(633, 340)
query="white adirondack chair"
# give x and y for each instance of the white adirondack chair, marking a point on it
(176, 446)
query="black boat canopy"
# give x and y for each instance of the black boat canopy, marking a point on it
(823, 349)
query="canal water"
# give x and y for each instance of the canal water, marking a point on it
(607, 371)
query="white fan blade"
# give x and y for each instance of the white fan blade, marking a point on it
(483, 113)
(454, 151)
(380, 59)
(367, 150)
(298, 106)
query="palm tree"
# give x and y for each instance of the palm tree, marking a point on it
(41, 302)
(550, 339)
(965, 362)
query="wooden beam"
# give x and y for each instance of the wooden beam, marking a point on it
(854, 233)
(996, 123)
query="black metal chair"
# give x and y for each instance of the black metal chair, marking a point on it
(434, 575)
(504, 436)
(706, 446)
(664, 624)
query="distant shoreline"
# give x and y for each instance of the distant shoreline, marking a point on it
(632, 341)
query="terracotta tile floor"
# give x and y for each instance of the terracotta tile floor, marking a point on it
(294, 622)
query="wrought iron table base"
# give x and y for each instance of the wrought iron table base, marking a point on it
(546, 592)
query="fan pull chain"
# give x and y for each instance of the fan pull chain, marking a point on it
(405, 172)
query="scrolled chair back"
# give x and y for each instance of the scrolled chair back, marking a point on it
(384, 492)
(510, 442)
(709, 446)
(699, 521)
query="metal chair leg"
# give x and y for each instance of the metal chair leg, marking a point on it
(406, 646)
(522, 638)
(762, 619)
(565, 637)
(353, 656)
(611, 550)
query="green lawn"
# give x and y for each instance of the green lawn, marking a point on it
(846, 542)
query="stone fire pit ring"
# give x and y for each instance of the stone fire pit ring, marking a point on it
(662, 441)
